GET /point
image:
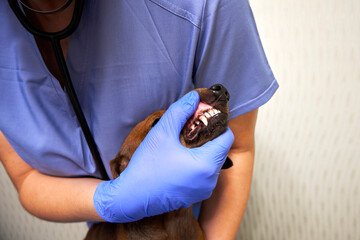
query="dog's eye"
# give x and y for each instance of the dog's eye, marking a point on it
(155, 122)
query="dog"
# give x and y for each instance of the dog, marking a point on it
(209, 121)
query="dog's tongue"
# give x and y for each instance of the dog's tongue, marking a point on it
(200, 109)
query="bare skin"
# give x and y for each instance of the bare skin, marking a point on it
(46, 197)
(222, 213)
(68, 199)
(50, 23)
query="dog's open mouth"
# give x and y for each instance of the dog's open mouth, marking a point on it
(204, 122)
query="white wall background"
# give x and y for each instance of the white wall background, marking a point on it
(307, 172)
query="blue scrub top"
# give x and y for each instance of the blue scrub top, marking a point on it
(127, 59)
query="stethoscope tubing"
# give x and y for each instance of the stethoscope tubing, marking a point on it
(54, 38)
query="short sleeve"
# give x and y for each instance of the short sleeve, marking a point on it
(230, 52)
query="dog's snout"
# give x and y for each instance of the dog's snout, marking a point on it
(220, 90)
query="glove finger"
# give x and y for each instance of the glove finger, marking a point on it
(179, 112)
(218, 148)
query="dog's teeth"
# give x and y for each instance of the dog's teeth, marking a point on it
(211, 111)
(217, 111)
(204, 120)
(192, 127)
(197, 123)
(207, 115)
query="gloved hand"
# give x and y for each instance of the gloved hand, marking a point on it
(162, 174)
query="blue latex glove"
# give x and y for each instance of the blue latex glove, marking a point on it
(163, 175)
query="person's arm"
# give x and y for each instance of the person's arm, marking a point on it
(49, 198)
(221, 214)
(149, 186)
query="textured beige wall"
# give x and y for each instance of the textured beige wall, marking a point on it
(307, 170)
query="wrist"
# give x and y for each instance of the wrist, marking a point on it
(108, 201)
(89, 208)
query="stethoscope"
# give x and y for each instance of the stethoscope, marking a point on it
(54, 38)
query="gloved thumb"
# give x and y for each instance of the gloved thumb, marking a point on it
(217, 149)
(179, 112)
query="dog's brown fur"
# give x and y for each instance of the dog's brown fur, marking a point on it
(179, 224)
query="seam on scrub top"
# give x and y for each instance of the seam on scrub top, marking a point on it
(178, 14)
(256, 99)
(48, 85)
(85, 58)
(46, 70)
(18, 69)
(165, 51)
(193, 74)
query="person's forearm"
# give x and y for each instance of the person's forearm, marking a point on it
(59, 199)
(47, 197)
(221, 214)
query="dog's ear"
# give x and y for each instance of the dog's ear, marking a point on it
(118, 164)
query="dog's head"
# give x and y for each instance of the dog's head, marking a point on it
(209, 121)
(210, 118)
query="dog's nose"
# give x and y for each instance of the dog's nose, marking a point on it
(220, 90)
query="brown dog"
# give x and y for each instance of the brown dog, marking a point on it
(209, 121)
